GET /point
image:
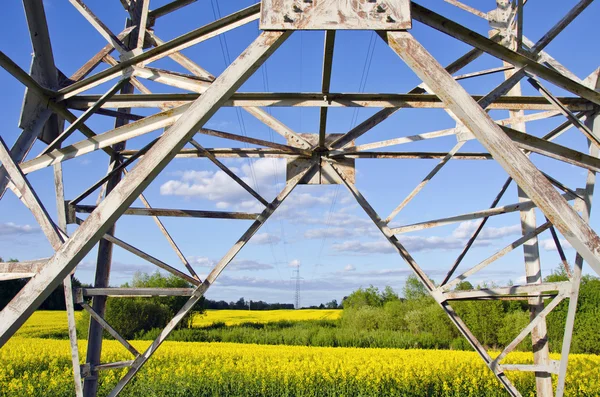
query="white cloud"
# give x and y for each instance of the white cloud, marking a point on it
(349, 268)
(294, 263)
(466, 230)
(218, 186)
(12, 229)
(201, 261)
(263, 176)
(332, 232)
(265, 238)
(245, 264)
(549, 245)
(235, 265)
(222, 205)
(372, 247)
(411, 243)
(456, 240)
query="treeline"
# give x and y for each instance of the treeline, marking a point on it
(374, 318)
(242, 304)
(495, 323)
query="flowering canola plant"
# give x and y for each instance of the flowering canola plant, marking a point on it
(42, 367)
(235, 317)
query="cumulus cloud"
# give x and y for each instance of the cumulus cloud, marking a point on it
(339, 225)
(12, 229)
(218, 186)
(549, 245)
(466, 230)
(263, 176)
(264, 239)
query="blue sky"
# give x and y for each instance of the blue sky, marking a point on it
(319, 228)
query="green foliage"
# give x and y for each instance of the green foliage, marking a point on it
(389, 295)
(587, 325)
(363, 297)
(414, 289)
(484, 319)
(173, 303)
(133, 316)
(513, 324)
(332, 305)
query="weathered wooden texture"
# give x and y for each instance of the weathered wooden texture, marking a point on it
(514, 162)
(88, 234)
(335, 14)
(25, 269)
(323, 176)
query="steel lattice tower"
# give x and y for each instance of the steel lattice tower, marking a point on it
(317, 158)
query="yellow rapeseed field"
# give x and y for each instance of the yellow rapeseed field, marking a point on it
(41, 367)
(45, 324)
(234, 317)
(32, 366)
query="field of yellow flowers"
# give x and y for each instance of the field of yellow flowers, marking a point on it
(34, 366)
(235, 317)
(41, 367)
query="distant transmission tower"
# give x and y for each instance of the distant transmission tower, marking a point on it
(297, 278)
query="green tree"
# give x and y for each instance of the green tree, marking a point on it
(174, 303)
(414, 288)
(389, 295)
(134, 316)
(332, 305)
(363, 297)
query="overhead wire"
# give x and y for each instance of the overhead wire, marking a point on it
(361, 87)
(242, 125)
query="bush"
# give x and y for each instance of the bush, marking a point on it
(513, 324)
(136, 316)
(129, 317)
(364, 318)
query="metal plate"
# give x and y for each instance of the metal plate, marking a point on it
(335, 14)
(322, 177)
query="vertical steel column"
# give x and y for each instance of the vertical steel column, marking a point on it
(105, 247)
(68, 284)
(593, 122)
(531, 250)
